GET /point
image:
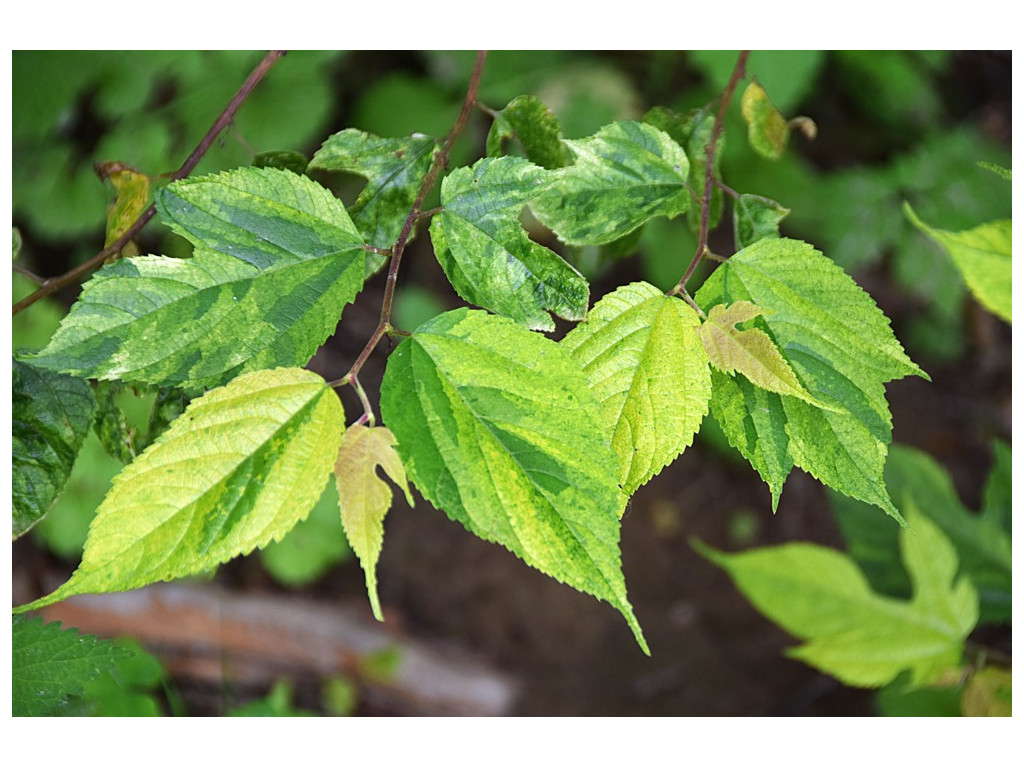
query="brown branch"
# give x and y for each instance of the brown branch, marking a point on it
(440, 161)
(56, 283)
(709, 170)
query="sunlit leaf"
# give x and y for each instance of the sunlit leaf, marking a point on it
(767, 130)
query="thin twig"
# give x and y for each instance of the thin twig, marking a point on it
(112, 250)
(440, 161)
(709, 170)
(27, 273)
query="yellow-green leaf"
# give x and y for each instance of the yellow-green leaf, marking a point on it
(132, 190)
(364, 497)
(767, 129)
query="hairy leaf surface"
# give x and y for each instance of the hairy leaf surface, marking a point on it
(626, 173)
(497, 427)
(365, 498)
(488, 257)
(862, 638)
(983, 256)
(842, 350)
(641, 354)
(50, 418)
(394, 169)
(236, 470)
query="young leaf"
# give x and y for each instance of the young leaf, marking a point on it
(119, 439)
(841, 348)
(365, 498)
(238, 469)
(751, 352)
(483, 411)
(640, 352)
(50, 418)
(132, 189)
(756, 218)
(488, 257)
(50, 666)
(767, 130)
(625, 174)
(982, 255)
(862, 638)
(394, 169)
(537, 129)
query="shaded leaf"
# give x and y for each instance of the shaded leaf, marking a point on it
(537, 129)
(767, 130)
(640, 352)
(285, 159)
(238, 469)
(119, 439)
(132, 197)
(482, 409)
(626, 173)
(488, 257)
(756, 218)
(50, 418)
(989, 693)
(365, 498)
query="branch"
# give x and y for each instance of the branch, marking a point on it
(112, 250)
(709, 170)
(440, 161)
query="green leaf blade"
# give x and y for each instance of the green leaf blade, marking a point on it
(536, 128)
(236, 470)
(481, 408)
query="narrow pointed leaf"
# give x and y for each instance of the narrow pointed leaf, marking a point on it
(860, 637)
(767, 130)
(626, 173)
(488, 257)
(751, 351)
(537, 129)
(483, 411)
(365, 498)
(842, 350)
(983, 256)
(394, 169)
(50, 418)
(640, 352)
(241, 466)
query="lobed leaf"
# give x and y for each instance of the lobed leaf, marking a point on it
(488, 257)
(482, 410)
(644, 361)
(626, 173)
(365, 498)
(394, 169)
(50, 418)
(862, 638)
(242, 465)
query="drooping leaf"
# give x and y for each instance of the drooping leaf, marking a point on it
(982, 543)
(498, 428)
(236, 470)
(119, 439)
(750, 351)
(756, 218)
(365, 498)
(50, 418)
(488, 257)
(132, 197)
(767, 130)
(626, 173)
(983, 257)
(537, 129)
(640, 352)
(841, 348)
(50, 666)
(394, 169)
(862, 638)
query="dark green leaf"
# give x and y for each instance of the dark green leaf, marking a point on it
(285, 159)
(756, 218)
(537, 129)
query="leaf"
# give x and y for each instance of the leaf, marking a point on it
(983, 257)
(862, 638)
(626, 173)
(989, 693)
(119, 439)
(842, 350)
(50, 666)
(286, 159)
(537, 129)
(132, 190)
(237, 470)
(997, 499)
(640, 352)
(998, 170)
(487, 255)
(394, 169)
(276, 259)
(483, 411)
(751, 352)
(365, 498)
(50, 418)
(756, 218)
(767, 130)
